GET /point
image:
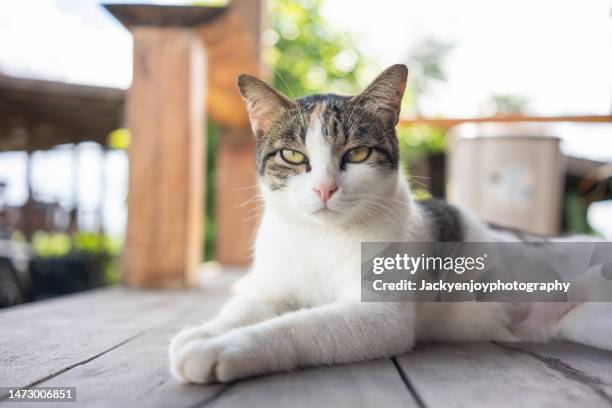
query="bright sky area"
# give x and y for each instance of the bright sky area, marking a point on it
(558, 54)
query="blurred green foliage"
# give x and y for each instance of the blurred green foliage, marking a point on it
(420, 140)
(119, 139)
(212, 140)
(58, 244)
(509, 104)
(50, 244)
(575, 214)
(210, 3)
(306, 54)
(417, 142)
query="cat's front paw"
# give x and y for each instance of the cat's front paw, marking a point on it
(222, 359)
(186, 336)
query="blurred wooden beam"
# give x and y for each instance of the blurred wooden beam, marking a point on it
(450, 122)
(156, 15)
(38, 115)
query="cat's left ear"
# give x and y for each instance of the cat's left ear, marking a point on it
(383, 97)
(264, 104)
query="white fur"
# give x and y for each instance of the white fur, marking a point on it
(300, 304)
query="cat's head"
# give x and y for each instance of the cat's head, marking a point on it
(327, 159)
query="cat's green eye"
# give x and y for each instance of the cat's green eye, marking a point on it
(358, 154)
(292, 156)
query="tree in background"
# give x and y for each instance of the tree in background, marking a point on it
(509, 104)
(306, 55)
(426, 61)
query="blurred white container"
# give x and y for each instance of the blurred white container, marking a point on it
(510, 175)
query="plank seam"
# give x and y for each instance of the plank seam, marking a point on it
(565, 369)
(212, 398)
(77, 364)
(408, 383)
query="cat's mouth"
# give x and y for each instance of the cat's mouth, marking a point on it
(324, 210)
(326, 216)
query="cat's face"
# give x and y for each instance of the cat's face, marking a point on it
(327, 159)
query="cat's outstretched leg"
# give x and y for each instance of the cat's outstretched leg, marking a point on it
(588, 323)
(336, 333)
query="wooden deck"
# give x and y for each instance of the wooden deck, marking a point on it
(112, 344)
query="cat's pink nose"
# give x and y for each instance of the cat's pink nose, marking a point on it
(325, 191)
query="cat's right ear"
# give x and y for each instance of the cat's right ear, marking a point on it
(383, 97)
(264, 104)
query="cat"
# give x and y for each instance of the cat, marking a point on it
(329, 174)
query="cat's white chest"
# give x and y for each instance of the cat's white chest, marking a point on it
(312, 265)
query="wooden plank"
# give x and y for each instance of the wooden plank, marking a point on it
(44, 338)
(587, 365)
(50, 339)
(369, 384)
(50, 336)
(485, 374)
(137, 373)
(165, 201)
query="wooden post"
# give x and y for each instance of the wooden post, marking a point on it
(233, 46)
(165, 114)
(164, 236)
(237, 207)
